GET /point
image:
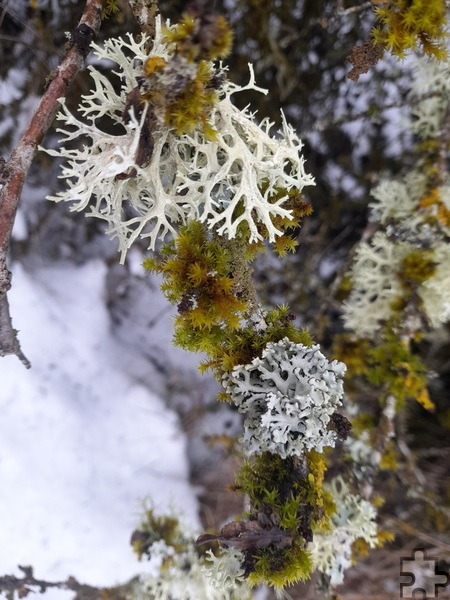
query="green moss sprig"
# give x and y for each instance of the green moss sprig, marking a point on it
(153, 528)
(184, 88)
(286, 494)
(415, 268)
(200, 39)
(198, 279)
(241, 346)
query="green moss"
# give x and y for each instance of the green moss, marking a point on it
(392, 365)
(111, 8)
(197, 278)
(352, 351)
(363, 422)
(193, 44)
(209, 280)
(299, 208)
(154, 528)
(192, 107)
(280, 568)
(289, 494)
(246, 343)
(200, 39)
(389, 460)
(415, 268)
(388, 363)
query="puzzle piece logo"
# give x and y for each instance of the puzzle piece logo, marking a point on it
(424, 580)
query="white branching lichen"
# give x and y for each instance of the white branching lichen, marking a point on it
(331, 550)
(375, 284)
(435, 291)
(432, 87)
(224, 183)
(225, 571)
(288, 396)
(185, 576)
(182, 572)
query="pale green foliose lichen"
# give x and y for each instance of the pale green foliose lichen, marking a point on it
(287, 396)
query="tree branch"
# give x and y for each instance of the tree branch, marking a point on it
(12, 586)
(15, 170)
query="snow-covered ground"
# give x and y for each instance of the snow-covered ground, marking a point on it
(83, 441)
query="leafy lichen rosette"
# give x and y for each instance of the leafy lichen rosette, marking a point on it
(288, 396)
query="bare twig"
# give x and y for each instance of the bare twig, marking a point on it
(20, 587)
(10, 585)
(14, 172)
(355, 9)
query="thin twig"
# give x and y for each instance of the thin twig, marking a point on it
(10, 585)
(15, 171)
(421, 535)
(355, 9)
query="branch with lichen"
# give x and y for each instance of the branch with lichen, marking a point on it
(27, 584)
(399, 283)
(13, 586)
(16, 169)
(207, 187)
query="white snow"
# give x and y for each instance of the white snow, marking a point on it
(82, 443)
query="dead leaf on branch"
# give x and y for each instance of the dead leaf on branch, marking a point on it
(245, 535)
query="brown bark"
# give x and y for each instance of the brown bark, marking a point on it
(145, 13)
(15, 170)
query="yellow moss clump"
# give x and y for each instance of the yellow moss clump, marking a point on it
(389, 460)
(281, 568)
(408, 24)
(154, 528)
(415, 268)
(183, 89)
(208, 38)
(153, 64)
(435, 207)
(389, 363)
(299, 208)
(192, 107)
(241, 346)
(351, 351)
(392, 364)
